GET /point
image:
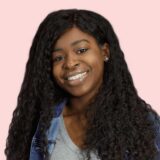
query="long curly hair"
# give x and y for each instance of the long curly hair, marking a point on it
(117, 118)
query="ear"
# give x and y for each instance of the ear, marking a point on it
(105, 50)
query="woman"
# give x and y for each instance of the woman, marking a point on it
(78, 99)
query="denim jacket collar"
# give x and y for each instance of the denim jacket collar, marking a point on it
(35, 150)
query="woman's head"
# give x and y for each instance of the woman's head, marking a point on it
(78, 63)
(60, 23)
(117, 117)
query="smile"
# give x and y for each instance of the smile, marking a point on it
(77, 79)
(78, 76)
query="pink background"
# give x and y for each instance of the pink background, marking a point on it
(136, 23)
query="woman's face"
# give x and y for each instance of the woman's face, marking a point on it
(78, 63)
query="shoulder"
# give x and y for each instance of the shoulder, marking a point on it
(155, 118)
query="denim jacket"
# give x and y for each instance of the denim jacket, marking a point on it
(36, 152)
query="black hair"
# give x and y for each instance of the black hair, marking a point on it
(117, 118)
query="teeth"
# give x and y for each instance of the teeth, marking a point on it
(78, 76)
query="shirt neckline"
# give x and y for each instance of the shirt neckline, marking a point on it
(66, 136)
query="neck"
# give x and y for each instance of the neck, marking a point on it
(78, 105)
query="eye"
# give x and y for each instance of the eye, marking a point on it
(58, 59)
(82, 50)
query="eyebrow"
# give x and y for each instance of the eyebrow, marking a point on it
(72, 44)
(79, 41)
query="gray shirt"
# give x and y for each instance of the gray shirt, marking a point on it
(65, 148)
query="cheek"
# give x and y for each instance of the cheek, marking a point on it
(97, 68)
(56, 73)
(96, 62)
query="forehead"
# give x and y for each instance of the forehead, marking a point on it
(72, 35)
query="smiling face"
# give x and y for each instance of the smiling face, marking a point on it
(78, 63)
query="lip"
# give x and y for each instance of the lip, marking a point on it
(78, 81)
(70, 74)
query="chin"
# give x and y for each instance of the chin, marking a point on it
(78, 92)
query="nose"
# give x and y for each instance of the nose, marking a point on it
(71, 62)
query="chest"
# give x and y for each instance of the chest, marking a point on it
(75, 130)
